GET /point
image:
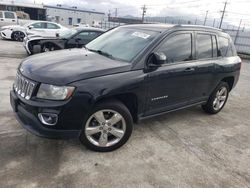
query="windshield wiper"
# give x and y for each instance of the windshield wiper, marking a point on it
(102, 53)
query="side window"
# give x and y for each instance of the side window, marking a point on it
(178, 48)
(215, 46)
(9, 15)
(52, 26)
(39, 25)
(88, 35)
(227, 49)
(1, 14)
(204, 46)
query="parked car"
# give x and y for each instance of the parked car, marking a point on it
(74, 38)
(8, 18)
(127, 74)
(40, 28)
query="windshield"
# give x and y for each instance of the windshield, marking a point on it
(122, 43)
(68, 33)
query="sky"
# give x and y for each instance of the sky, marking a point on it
(236, 9)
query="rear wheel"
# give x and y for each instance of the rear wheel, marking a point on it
(217, 99)
(108, 127)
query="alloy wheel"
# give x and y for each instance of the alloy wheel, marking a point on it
(105, 128)
(220, 98)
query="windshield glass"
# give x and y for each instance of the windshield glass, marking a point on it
(68, 33)
(122, 43)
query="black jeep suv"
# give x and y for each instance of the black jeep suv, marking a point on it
(126, 74)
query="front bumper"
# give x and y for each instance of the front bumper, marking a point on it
(30, 122)
(6, 34)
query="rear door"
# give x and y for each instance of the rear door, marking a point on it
(206, 57)
(52, 29)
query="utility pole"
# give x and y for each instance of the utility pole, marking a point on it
(116, 12)
(205, 18)
(144, 9)
(214, 22)
(237, 32)
(223, 13)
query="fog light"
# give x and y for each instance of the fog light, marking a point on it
(48, 118)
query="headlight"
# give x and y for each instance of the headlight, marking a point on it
(55, 92)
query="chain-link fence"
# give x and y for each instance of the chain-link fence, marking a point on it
(241, 40)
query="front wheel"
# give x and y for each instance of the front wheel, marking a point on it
(108, 127)
(217, 99)
(18, 36)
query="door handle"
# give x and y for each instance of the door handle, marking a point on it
(1, 19)
(189, 69)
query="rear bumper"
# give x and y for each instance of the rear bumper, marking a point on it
(31, 123)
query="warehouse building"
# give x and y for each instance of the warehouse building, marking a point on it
(61, 14)
(73, 15)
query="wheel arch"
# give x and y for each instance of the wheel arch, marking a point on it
(230, 81)
(130, 100)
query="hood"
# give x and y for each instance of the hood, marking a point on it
(38, 37)
(65, 66)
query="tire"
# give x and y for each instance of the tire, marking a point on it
(18, 36)
(112, 111)
(48, 47)
(216, 102)
(36, 49)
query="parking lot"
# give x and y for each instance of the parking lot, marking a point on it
(187, 148)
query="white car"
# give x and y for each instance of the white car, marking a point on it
(39, 28)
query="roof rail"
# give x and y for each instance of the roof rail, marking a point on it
(198, 26)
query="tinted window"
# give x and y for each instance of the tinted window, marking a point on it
(9, 15)
(78, 20)
(227, 48)
(204, 46)
(52, 26)
(1, 15)
(88, 35)
(215, 46)
(39, 25)
(178, 48)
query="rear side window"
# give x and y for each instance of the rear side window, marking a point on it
(9, 15)
(204, 46)
(52, 26)
(178, 48)
(227, 48)
(1, 14)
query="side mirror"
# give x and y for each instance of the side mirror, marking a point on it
(157, 59)
(31, 27)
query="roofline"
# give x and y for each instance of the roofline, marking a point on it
(199, 27)
(72, 9)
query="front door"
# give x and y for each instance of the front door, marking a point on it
(170, 85)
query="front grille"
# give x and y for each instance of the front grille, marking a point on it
(23, 87)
